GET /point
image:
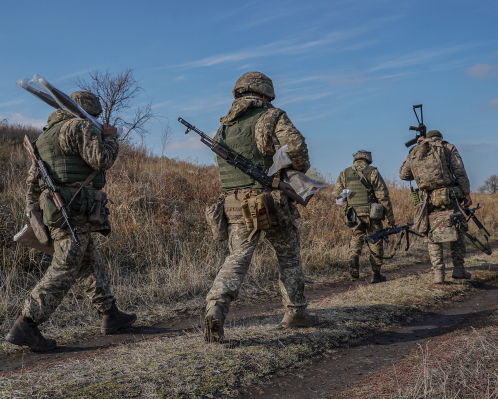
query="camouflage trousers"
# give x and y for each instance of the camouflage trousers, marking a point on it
(70, 264)
(457, 248)
(365, 225)
(286, 242)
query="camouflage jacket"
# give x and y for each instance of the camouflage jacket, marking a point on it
(452, 163)
(377, 182)
(276, 123)
(77, 137)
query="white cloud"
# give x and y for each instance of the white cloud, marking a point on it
(493, 102)
(482, 71)
(74, 74)
(8, 103)
(418, 58)
(16, 117)
(282, 47)
(191, 144)
(478, 147)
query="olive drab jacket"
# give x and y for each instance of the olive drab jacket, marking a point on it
(359, 197)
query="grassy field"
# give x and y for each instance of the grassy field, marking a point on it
(183, 366)
(160, 258)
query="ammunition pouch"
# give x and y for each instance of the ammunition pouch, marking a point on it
(35, 216)
(98, 213)
(217, 220)
(440, 197)
(89, 202)
(376, 211)
(256, 209)
(443, 226)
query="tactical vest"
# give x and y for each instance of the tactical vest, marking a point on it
(64, 168)
(240, 136)
(359, 194)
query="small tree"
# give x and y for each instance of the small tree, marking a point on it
(490, 185)
(116, 93)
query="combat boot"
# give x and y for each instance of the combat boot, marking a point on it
(354, 266)
(25, 332)
(377, 277)
(439, 276)
(460, 272)
(213, 325)
(307, 320)
(113, 320)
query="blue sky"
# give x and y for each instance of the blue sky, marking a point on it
(346, 72)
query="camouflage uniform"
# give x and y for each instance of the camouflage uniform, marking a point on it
(453, 170)
(364, 224)
(273, 126)
(72, 264)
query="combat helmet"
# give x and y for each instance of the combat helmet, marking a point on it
(88, 101)
(363, 154)
(256, 82)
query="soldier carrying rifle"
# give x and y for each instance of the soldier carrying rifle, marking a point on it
(367, 205)
(443, 184)
(75, 155)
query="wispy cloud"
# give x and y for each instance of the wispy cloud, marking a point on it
(9, 103)
(280, 47)
(482, 71)
(493, 103)
(206, 104)
(418, 58)
(73, 75)
(478, 147)
(310, 97)
(191, 144)
(16, 117)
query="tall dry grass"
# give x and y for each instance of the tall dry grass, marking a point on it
(161, 251)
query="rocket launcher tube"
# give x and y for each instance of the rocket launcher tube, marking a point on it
(42, 95)
(65, 102)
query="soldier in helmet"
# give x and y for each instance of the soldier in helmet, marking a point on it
(73, 151)
(254, 128)
(442, 180)
(365, 209)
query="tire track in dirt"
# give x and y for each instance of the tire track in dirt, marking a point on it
(344, 368)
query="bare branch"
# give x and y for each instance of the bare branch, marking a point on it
(116, 93)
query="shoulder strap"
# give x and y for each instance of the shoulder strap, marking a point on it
(88, 180)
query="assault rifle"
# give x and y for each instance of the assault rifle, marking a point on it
(468, 214)
(250, 169)
(50, 184)
(385, 233)
(421, 129)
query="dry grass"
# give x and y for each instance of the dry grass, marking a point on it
(160, 258)
(183, 366)
(460, 365)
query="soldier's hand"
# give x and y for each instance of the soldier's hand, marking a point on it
(468, 201)
(392, 222)
(109, 129)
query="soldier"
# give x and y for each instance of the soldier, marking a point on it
(253, 127)
(359, 214)
(438, 169)
(73, 150)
